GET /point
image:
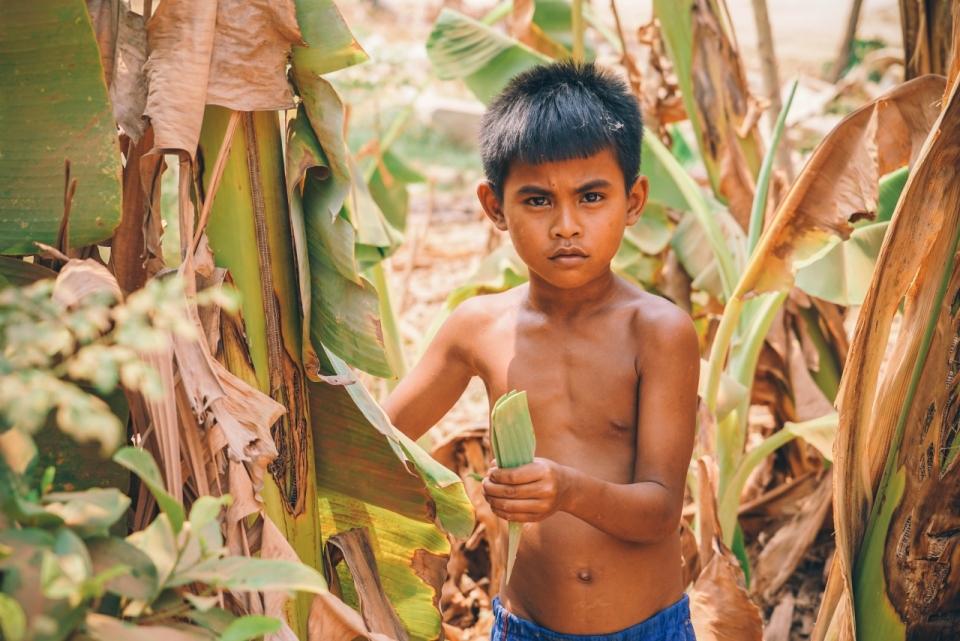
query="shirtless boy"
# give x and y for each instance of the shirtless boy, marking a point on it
(610, 371)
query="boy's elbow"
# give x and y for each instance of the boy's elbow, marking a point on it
(663, 522)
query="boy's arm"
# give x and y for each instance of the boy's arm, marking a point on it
(437, 381)
(648, 509)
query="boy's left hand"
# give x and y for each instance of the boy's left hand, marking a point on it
(528, 493)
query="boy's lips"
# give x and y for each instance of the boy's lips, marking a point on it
(568, 255)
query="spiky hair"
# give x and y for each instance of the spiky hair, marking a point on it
(561, 111)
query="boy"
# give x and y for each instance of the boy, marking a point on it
(610, 371)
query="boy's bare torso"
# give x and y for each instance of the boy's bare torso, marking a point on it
(583, 377)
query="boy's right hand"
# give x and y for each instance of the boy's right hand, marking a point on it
(529, 493)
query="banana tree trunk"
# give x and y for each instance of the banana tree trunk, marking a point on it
(249, 233)
(927, 35)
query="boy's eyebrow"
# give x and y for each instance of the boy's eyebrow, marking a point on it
(533, 190)
(593, 184)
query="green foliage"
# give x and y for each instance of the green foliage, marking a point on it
(59, 361)
(60, 567)
(486, 59)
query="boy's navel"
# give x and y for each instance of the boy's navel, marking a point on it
(584, 576)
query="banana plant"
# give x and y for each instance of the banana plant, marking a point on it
(800, 232)
(897, 442)
(292, 227)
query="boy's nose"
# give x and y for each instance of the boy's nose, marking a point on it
(565, 225)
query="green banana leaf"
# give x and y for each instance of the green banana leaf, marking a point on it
(898, 462)
(411, 558)
(843, 272)
(54, 107)
(20, 273)
(330, 44)
(342, 308)
(370, 475)
(486, 59)
(393, 198)
(349, 435)
(376, 238)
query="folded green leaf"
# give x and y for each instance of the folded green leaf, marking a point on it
(514, 444)
(88, 513)
(140, 579)
(486, 59)
(249, 627)
(13, 622)
(246, 574)
(142, 464)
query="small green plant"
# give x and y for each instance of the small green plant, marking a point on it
(62, 573)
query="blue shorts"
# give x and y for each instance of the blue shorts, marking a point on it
(672, 624)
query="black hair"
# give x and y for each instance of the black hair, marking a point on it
(560, 111)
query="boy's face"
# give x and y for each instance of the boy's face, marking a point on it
(566, 218)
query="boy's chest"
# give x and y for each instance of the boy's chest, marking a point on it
(581, 386)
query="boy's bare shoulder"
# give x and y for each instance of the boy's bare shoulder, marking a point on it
(660, 325)
(481, 313)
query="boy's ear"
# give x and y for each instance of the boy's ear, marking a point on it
(637, 199)
(491, 205)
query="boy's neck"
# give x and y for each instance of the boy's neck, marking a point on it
(559, 302)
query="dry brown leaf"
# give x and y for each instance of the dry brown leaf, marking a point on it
(917, 246)
(248, 69)
(163, 418)
(659, 94)
(127, 246)
(254, 412)
(211, 315)
(333, 620)
(192, 446)
(231, 53)
(81, 278)
(707, 494)
(128, 89)
(467, 452)
(809, 401)
(720, 608)
(784, 552)
(781, 620)
(203, 258)
(103, 17)
(151, 170)
(356, 548)
(179, 46)
(840, 183)
(723, 104)
(276, 546)
(689, 553)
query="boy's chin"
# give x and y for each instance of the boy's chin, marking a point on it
(569, 278)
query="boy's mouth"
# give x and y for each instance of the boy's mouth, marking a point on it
(568, 255)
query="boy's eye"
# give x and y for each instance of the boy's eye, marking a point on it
(537, 201)
(592, 197)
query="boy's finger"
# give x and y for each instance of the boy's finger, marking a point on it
(513, 507)
(516, 475)
(501, 490)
